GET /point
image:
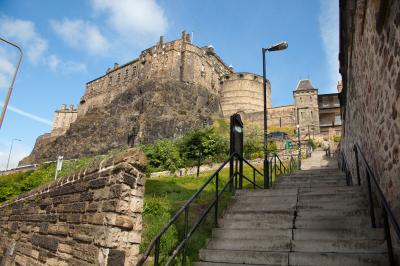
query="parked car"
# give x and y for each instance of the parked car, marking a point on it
(278, 135)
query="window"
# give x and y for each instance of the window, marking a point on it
(110, 81)
(126, 73)
(118, 77)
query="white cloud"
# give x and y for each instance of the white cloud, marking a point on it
(81, 34)
(133, 18)
(53, 62)
(329, 30)
(28, 115)
(18, 152)
(23, 32)
(66, 67)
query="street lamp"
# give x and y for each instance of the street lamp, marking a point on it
(9, 155)
(276, 47)
(3, 111)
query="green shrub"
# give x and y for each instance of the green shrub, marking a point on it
(163, 155)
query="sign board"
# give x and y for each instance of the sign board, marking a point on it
(236, 135)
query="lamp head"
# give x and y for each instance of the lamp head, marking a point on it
(278, 47)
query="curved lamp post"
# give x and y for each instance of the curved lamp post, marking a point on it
(3, 112)
(277, 47)
(9, 155)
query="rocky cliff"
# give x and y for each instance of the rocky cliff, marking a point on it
(146, 112)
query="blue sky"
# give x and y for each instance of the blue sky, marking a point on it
(67, 43)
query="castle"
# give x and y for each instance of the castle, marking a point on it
(181, 60)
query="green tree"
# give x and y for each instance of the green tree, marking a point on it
(163, 155)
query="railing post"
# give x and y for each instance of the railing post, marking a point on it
(185, 232)
(240, 173)
(157, 252)
(388, 237)
(236, 172)
(254, 178)
(267, 176)
(357, 166)
(275, 164)
(371, 201)
(231, 177)
(299, 159)
(216, 200)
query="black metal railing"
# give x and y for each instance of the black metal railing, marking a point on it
(235, 181)
(277, 167)
(387, 214)
(342, 163)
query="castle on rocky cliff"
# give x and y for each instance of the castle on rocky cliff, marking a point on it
(178, 60)
(188, 66)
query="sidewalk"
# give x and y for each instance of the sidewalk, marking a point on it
(317, 160)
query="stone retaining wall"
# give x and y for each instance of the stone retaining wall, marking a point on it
(91, 218)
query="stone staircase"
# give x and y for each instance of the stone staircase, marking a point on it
(309, 218)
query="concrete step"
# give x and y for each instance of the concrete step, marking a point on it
(271, 234)
(259, 216)
(255, 224)
(340, 246)
(274, 208)
(265, 192)
(308, 185)
(331, 205)
(330, 190)
(328, 199)
(310, 178)
(265, 200)
(332, 223)
(337, 259)
(202, 263)
(338, 234)
(250, 244)
(332, 213)
(333, 197)
(244, 257)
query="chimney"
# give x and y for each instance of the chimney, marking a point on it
(161, 40)
(115, 65)
(188, 38)
(71, 107)
(183, 36)
(63, 107)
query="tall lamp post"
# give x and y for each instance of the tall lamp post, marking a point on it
(3, 111)
(9, 154)
(276, 47)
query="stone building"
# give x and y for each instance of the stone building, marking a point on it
(306, 105)
(370, 98)
(329, 113)
(63, 118)
(242, 92)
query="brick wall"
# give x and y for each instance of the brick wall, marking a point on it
(91, 218)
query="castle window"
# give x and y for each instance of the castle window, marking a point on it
(110, 81)
(126, 73)
(227, 77)
(118, 77)
(241, 75)
(255, 77)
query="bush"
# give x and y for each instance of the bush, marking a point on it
(163, 155)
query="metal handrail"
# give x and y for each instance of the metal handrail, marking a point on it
(388, 215)
(156, 241)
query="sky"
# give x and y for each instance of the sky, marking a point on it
(67, 43)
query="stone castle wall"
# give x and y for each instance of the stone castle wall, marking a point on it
(243, 92)
(370, 67)
(284, 116)
(177, 60)
(91, 218)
